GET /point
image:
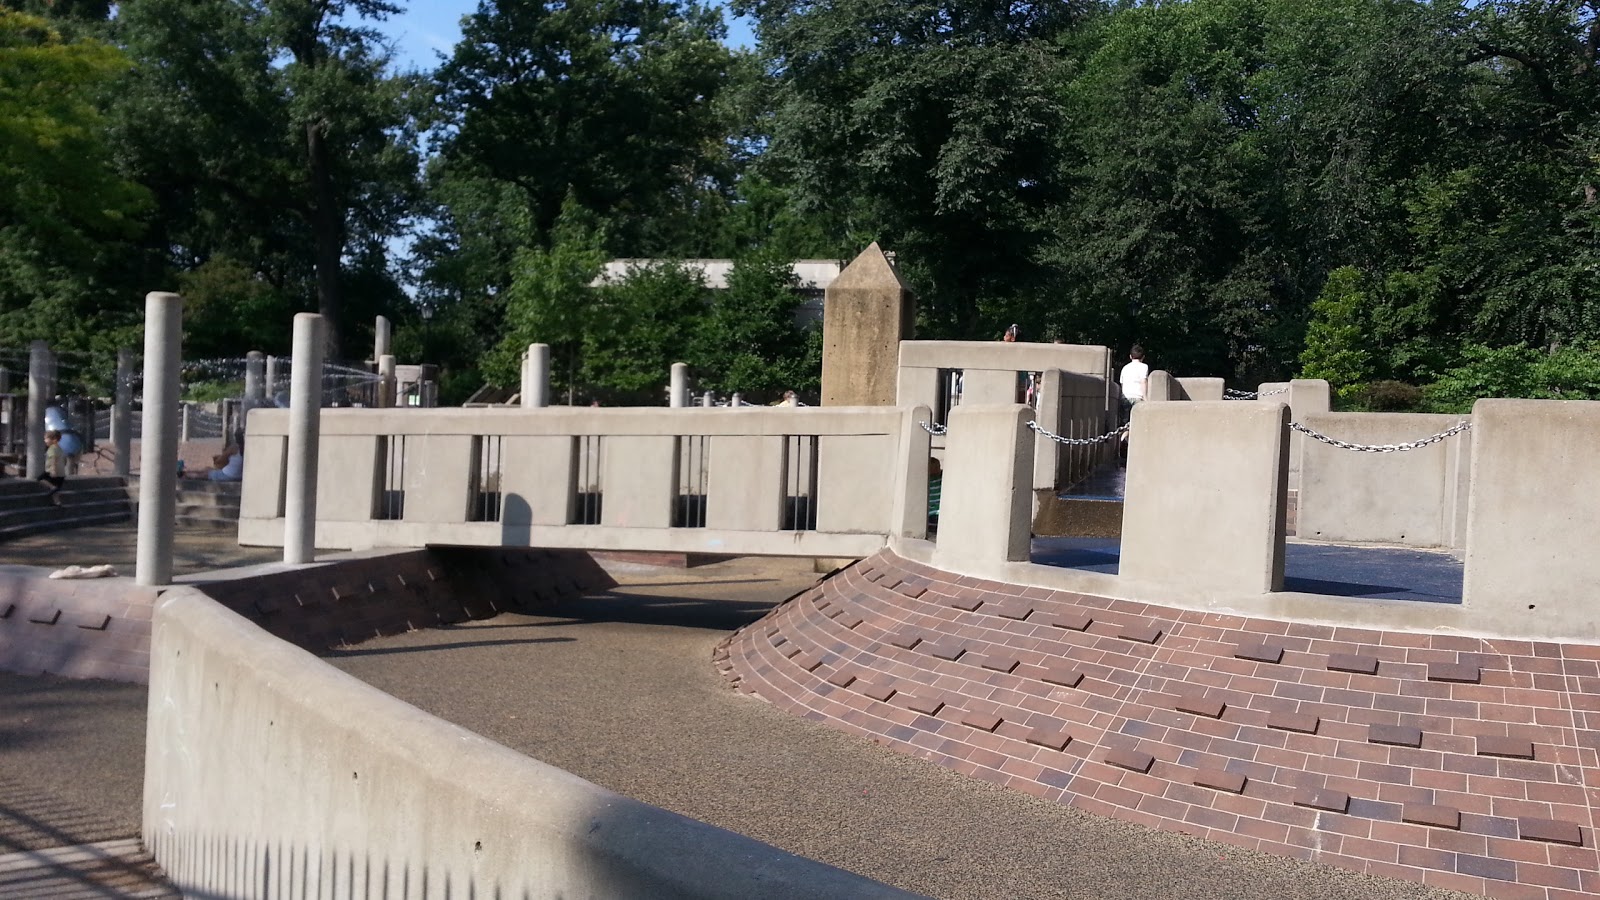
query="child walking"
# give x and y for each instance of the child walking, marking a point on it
(55, 465)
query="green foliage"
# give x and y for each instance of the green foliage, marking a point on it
(749, 341)
(1335, 344)
(1568, 373)
(1387, 396)
(638, 328)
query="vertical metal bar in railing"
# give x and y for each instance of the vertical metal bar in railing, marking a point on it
(800, 482)
(689, 511)
(391, 490)
(589, 452)
(486, 502)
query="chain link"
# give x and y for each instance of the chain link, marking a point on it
(1232, 394)
(1382, 448)
(935, 430)
(1077, 442)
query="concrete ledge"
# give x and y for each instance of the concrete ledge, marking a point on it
(264, 765)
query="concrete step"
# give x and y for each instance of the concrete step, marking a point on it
(62, 523)
(119, 868)
(209, 500)
(207, 511)
(1077, 516)
(203, 522)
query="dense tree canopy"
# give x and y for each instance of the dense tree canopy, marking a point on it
(1379, 192)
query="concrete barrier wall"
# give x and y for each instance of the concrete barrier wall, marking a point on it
(1071, 405)
(1200, 388)
(1305, 397)
(1202, 525)
(269, 773)
(1415, 497)
(400, 478)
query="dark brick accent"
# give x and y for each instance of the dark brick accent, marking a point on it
(1550, 830)
(1066, 676)
(967, 601)
(1000, 663)
(981, 721)
(1459, 673)
(1220, 780)
(1134, 760)
(1209, 707)
(1046, 737)
(850, 621)
(1351, 662)
(928, 706)
(1485, 867)
(879, 692)
(841, 678)
(47, 620)
(1396, 735)
(913, 587)
(1144, 634)
(1431, 816)
(1515, 748)
(1259, 653)
(951, 652)
(906, 641)
(1304, 723)
(1321, 798)
(97, 623)
(1072, 622)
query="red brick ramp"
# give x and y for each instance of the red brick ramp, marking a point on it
(1457, 762)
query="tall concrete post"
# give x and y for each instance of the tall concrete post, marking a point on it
(737, 400)
(381, 333)
(867, 311)
(255, 376)
(122, 413)
(38, 398)
(183, 428)
(386, 382)
(158, 445)
(536, 377)
(680, 385)
(708, 400)
(273, 375)
(305, 432)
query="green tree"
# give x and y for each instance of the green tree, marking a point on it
(1335, 341)
(749, 340)
(65, 208)
(639, 326)
(274, 133)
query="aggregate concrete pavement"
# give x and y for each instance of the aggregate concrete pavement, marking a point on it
(620, 690)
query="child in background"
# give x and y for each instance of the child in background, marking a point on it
(55, 465)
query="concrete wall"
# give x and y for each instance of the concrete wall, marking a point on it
(1305, 397)
(630, 457)
(987, 503)
(1533, 523)
(1073, 406)
(269, 773)
(1201, 388)
(1204, 502)
(1416, 497)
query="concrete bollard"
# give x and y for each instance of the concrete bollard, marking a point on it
(382, 334)
(255, 374)
(305, 419)
(737, 400)
(158, 475)
(386, 381)
(536, 377)
(680, 385)
(708, 400)
(122, 413)
(39, 394)
(273, 376)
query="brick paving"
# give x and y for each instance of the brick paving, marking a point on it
(1453, 761)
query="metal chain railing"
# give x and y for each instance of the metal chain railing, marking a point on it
(1232, 394)
(933, 429)
(1382, 448)
(1078, 442)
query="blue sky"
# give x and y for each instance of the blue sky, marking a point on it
(431, 27)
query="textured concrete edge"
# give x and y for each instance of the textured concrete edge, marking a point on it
(258, 752)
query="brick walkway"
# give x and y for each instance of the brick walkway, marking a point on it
(1458, 762)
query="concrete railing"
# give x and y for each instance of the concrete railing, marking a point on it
(269, 773)
(1203, 522)
(830, 482)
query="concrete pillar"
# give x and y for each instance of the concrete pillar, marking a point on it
(680, 385)
(183, 428)
(428, 394)
(122, 413)
(39, 395)
(867, 312)
(386, 381)
(536, 377)
(158, 445)
(382, 332)
(305, 420)
(708, 400)
(255, 374)
(986, 511)
(737, 400)
(273, 376)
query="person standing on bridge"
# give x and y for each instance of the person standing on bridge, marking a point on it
(1135, 378)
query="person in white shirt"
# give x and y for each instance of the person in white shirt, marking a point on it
(1134, 378)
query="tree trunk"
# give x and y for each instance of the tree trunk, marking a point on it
(327, 225)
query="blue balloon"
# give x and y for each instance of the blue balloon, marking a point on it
(53, 419)
(71, 443)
